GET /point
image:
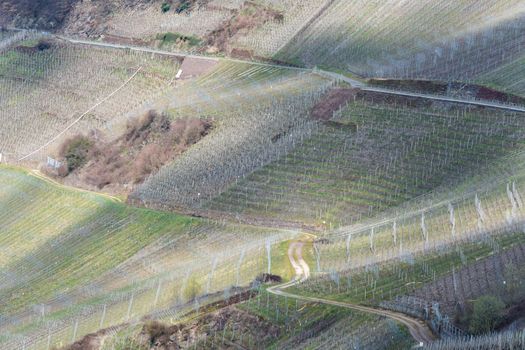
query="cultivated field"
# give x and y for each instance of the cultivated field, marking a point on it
(74, 261)
(372, 155)
(260, 114)
(411, 39)
(50, 89)
(404, 210)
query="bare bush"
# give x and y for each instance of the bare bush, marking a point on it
(148, 143)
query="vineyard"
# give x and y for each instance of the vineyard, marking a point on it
(53, 89)
(372, 155)
(284, 174)
(248, 134)
(141, 256)
(411, 39)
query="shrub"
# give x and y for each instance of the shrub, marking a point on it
(195, 130)
(155, 329)
(487, 314)
(175, 37)
(165, 7)
(148, 161)
(192, 289)
(185, 5)
(75, 151)
(43, 45)
(147, 144)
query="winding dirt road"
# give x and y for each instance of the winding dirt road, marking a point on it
(417, 328)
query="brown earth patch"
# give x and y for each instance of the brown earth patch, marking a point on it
(42, 45)
(453, 89)
(193, 67)
(332, 102)
(166, 337)
(94, 341)
(242, 54)
(121, 40)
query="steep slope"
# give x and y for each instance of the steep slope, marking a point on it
(376, 153)
(51, 89)
(261, 113)
(75, 261)
(411, 39)
(44, 14)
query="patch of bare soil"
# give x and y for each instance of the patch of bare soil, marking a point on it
(453, 89)
(91, 341)
(269, 278)
(94, 341)
(116, 166)
(42, 45)
(193, 67)
(250, 16)
(334, 100)
(183, 336)
(121, 40)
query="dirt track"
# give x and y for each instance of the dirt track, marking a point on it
(418, 329)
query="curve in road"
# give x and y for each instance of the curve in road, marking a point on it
(417, 328)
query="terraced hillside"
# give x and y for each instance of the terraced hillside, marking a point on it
(73, 260)
(374, 154)
(261, 115)
(51, 89)
(444, 40)
(306, 212)
(267, 321)
(411, 39)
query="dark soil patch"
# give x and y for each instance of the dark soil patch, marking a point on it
(42, 45)
(513, 313)
(269, 278)
(453, 89)
(423, 86)
(332, 101)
